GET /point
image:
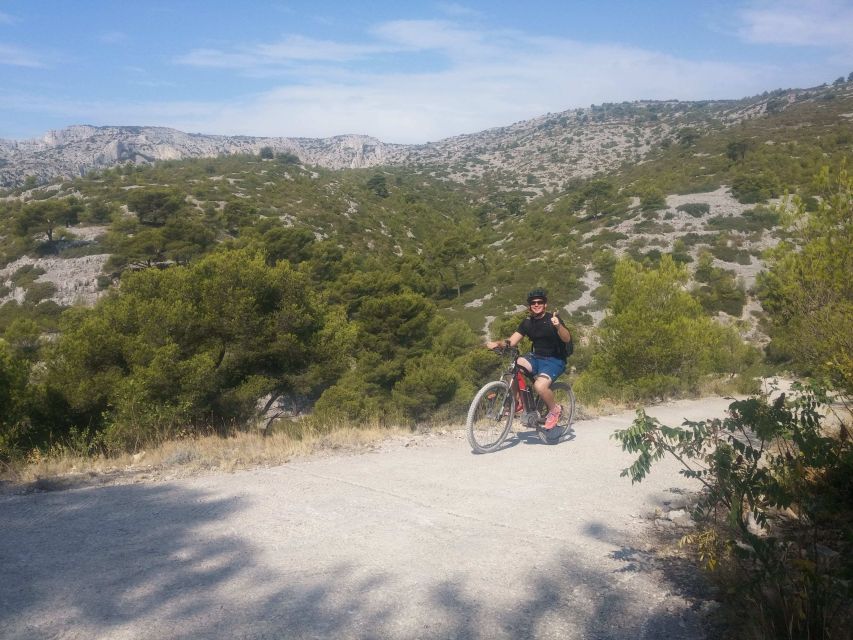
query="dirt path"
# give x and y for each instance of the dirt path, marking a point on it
(418, 539)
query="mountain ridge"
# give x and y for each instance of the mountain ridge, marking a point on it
(79, 149)
(544, 152)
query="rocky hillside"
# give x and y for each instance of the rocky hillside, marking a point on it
(75, 151)
(540, 154)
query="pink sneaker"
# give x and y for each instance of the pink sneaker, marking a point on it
(553, 417)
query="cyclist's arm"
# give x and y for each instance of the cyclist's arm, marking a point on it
(562, 331)
(513, 340)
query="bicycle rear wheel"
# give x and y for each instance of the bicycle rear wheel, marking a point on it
(490, 417)
(565, 397)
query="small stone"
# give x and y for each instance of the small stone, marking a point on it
(681, 518)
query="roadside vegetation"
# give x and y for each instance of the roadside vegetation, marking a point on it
(776, 514)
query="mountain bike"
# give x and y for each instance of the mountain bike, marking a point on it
(499, 402)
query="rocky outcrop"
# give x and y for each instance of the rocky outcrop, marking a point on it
(75, 279)
(79, 149)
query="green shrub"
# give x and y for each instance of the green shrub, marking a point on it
(775, 507)
(807, 290)
(755, 187)
(752, 220)
(727, 253)
(721, 291)
(652, 199)
(656, 341)
(194, 347)
(38, 291)
(26, 275)
(13, 391)
(428, 382)
(695, 209)
(353, 401)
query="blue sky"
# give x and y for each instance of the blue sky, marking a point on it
(403, 72)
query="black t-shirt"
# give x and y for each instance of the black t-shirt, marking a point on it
(543, 334)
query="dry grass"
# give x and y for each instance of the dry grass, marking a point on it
(190, 456)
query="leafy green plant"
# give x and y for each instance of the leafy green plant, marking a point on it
(775, 502)
(656, 341)
(38, 291)
(186, 347)
(755, 187)
(808, 290)
(695, 209)
(13, 399)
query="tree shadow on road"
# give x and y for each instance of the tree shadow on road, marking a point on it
(145, 561)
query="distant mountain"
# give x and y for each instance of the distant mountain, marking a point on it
(540, 154)
(79, 149)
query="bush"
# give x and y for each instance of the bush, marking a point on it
(728, 253)
(428, 382)
(807, 289)
(755, 187)
(13, 390)
(776, 507)
(752, 220)
(656, 341)
(652, 199)
(353, 401)
(26, 275)
(193, 347)
(39, 291)
(722, 291)
(695, 209)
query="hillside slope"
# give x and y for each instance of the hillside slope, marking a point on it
(543, 153)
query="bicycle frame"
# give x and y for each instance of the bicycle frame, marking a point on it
(520, 382)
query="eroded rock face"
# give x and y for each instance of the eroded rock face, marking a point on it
(76, 150)
(76, 279)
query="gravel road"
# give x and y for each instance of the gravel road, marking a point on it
(418, 538)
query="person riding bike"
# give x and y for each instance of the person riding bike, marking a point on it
(548, 359)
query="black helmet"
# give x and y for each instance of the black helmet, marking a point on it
(537, 294)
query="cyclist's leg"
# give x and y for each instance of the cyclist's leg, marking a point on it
(542, 386)
(549, 370)
(524, 362)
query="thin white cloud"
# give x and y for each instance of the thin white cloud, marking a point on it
(531, 78)
(439, 36)
(15, 56)
(291, 49)
(5, 18)
(816, 23)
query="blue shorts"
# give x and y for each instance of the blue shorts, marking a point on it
(542, 365)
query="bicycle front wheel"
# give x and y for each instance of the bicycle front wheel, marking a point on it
(490, 417)
(565, 397)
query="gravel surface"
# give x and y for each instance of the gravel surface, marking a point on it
(418, 538)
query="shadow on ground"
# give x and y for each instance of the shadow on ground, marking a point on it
(138, 561)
